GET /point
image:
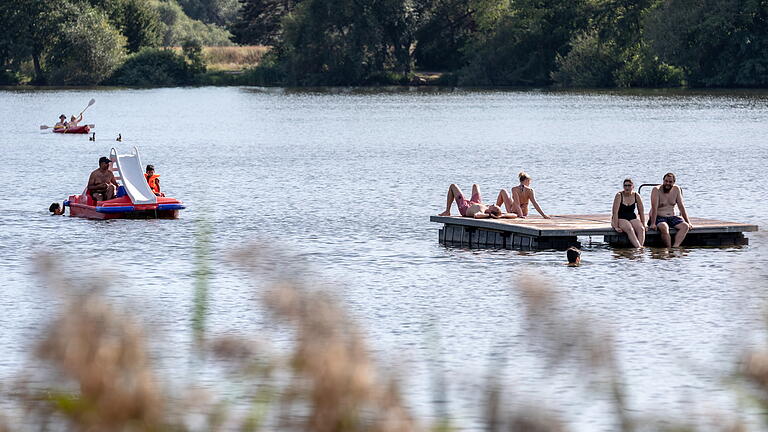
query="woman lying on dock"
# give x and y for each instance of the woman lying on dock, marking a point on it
(473, 208)
(623, 216)
(517, 202)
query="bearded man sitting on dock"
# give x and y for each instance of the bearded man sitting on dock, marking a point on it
(473, 208)
(102, 184)
(663, 200)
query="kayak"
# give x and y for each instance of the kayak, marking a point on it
(73, 130)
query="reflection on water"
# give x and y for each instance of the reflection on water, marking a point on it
(345, 181)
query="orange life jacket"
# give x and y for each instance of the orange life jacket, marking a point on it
(152, 181)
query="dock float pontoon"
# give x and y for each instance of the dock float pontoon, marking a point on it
(561, 232)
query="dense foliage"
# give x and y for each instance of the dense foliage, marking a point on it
(580, 43)
(567, 43)
(87, 51)
(156, 67)
(76, 42)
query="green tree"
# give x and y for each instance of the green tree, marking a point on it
(259, 22)
(448, 25)
(28, 28)
(347, 42)
(140, 24)
(87, 51)
(219, 12)
(176, 27)
(137, 20)
(718, 43)
(518, 46)
(589, 63)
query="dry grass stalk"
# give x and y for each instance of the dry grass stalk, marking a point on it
(102, 377)
(569, 335)
(334, 373)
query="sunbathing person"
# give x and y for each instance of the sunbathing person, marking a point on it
(522, 194)
(473, 208)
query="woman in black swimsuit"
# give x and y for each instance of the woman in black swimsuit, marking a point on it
(625, 219)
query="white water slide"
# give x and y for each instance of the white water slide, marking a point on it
(130, 173)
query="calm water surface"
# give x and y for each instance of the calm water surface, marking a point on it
(344, 182)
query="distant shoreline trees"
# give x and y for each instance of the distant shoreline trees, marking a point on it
(564, 43)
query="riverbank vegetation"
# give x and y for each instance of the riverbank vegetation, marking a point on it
(92, 368)
(565, 43)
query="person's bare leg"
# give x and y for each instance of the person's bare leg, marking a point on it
(111, 192)
(476, 193)
(629, 231)
(453, 192)
(664, 231)
(505, 199)
(682, 231)
(639, 231)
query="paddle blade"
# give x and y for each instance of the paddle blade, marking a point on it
(92, 126)
(91, 102)
(43, 127)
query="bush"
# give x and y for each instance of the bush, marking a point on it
(643, 69)
(9, 77)
(87, 51)
(154, 67)
(590, 63)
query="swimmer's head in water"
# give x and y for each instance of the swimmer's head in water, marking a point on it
(573, 254)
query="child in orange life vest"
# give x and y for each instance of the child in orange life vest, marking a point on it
(153, 180)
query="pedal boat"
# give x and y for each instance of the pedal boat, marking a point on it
(134, 198)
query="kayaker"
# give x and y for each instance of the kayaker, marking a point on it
(102, 184)
(73, 121)
(62, 123)
(153, 180)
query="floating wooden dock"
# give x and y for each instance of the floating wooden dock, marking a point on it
(561, 232)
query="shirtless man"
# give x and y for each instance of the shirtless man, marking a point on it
(521, 195)
(662, 216)
(473, 208)
(102, 183)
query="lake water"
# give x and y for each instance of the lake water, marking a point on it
(342, 183)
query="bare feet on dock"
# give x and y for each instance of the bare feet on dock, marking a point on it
(445, 213)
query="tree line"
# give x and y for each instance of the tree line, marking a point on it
(568, 43)
(87, 42)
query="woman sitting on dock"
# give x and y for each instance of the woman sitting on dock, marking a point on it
(623, 216)
(473, 208)
(517, 203)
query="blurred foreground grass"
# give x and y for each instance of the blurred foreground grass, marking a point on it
(92, 370)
